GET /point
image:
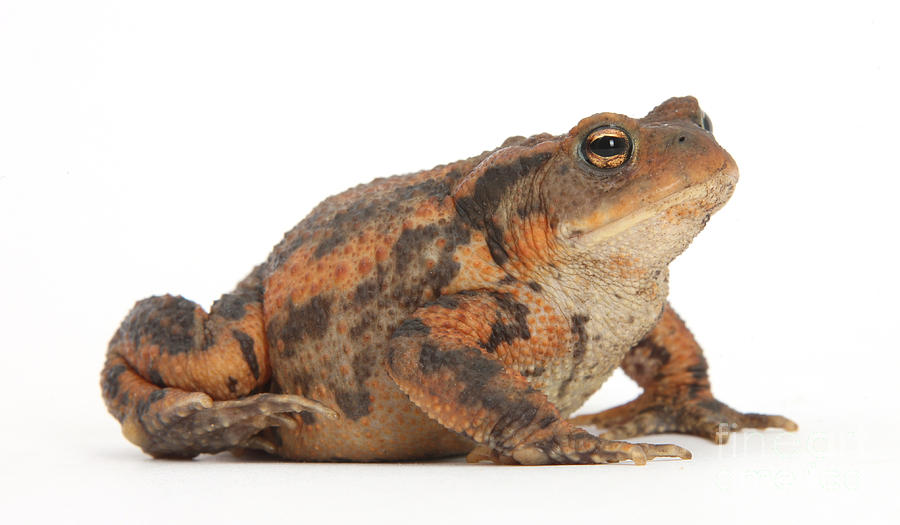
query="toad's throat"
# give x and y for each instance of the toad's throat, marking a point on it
(715, 192)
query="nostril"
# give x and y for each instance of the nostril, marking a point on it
(681, 139)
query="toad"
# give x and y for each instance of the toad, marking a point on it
(470, 308)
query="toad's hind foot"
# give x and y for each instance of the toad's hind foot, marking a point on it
(178, 424)
(708, 418)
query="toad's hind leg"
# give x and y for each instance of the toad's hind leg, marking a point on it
(182, 382)
(669, 365)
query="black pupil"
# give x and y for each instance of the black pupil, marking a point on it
(608, 146)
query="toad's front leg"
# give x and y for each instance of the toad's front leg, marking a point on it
(669, 365)
(439, 359)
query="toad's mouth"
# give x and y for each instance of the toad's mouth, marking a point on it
(705, 198)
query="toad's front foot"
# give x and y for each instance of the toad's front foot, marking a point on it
(578, 447)
(654, 414)
(180, 424)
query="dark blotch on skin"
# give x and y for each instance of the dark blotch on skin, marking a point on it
(155, 378)
(699, 370)
(354, 405)
(306, 322)
(644, 363)
(344, 225)
(578, 322)
(512, 322)
(475, 372)
(411, 327)
(469, 366)
(494, 239)
(111, 381)
(451, 178)
(454, 234)
(363, 364)
(370, 289)
(231, 306)
(449, 302)
(657, 352)
(308, 418)
(507, 279)
(430, 358)
(696, 390)
(291, 242)
(580, 347)
(164, 321)
(143, 406)
(155, 396)
(428, 188)
(210, 339)
(304, 380)
(547, 421)
(490, 190)
(410, 244)
(246, 343)
(442, 273)
(355, 402)
(328, 245)
(366, 291)
(538, 371)
(516, 414)
(232, 385)
(411, 276)
(366, 320)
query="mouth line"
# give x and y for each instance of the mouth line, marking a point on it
(602, 233)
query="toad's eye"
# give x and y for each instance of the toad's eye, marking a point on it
(706, 123)
(607, 147)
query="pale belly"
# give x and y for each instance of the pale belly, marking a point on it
(394, 430)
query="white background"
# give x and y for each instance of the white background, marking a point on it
(166, 146)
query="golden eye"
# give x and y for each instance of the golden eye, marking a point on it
(607, 147)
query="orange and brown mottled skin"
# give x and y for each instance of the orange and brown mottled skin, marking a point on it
(169, 356)
(480, 302)
(171, 341)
